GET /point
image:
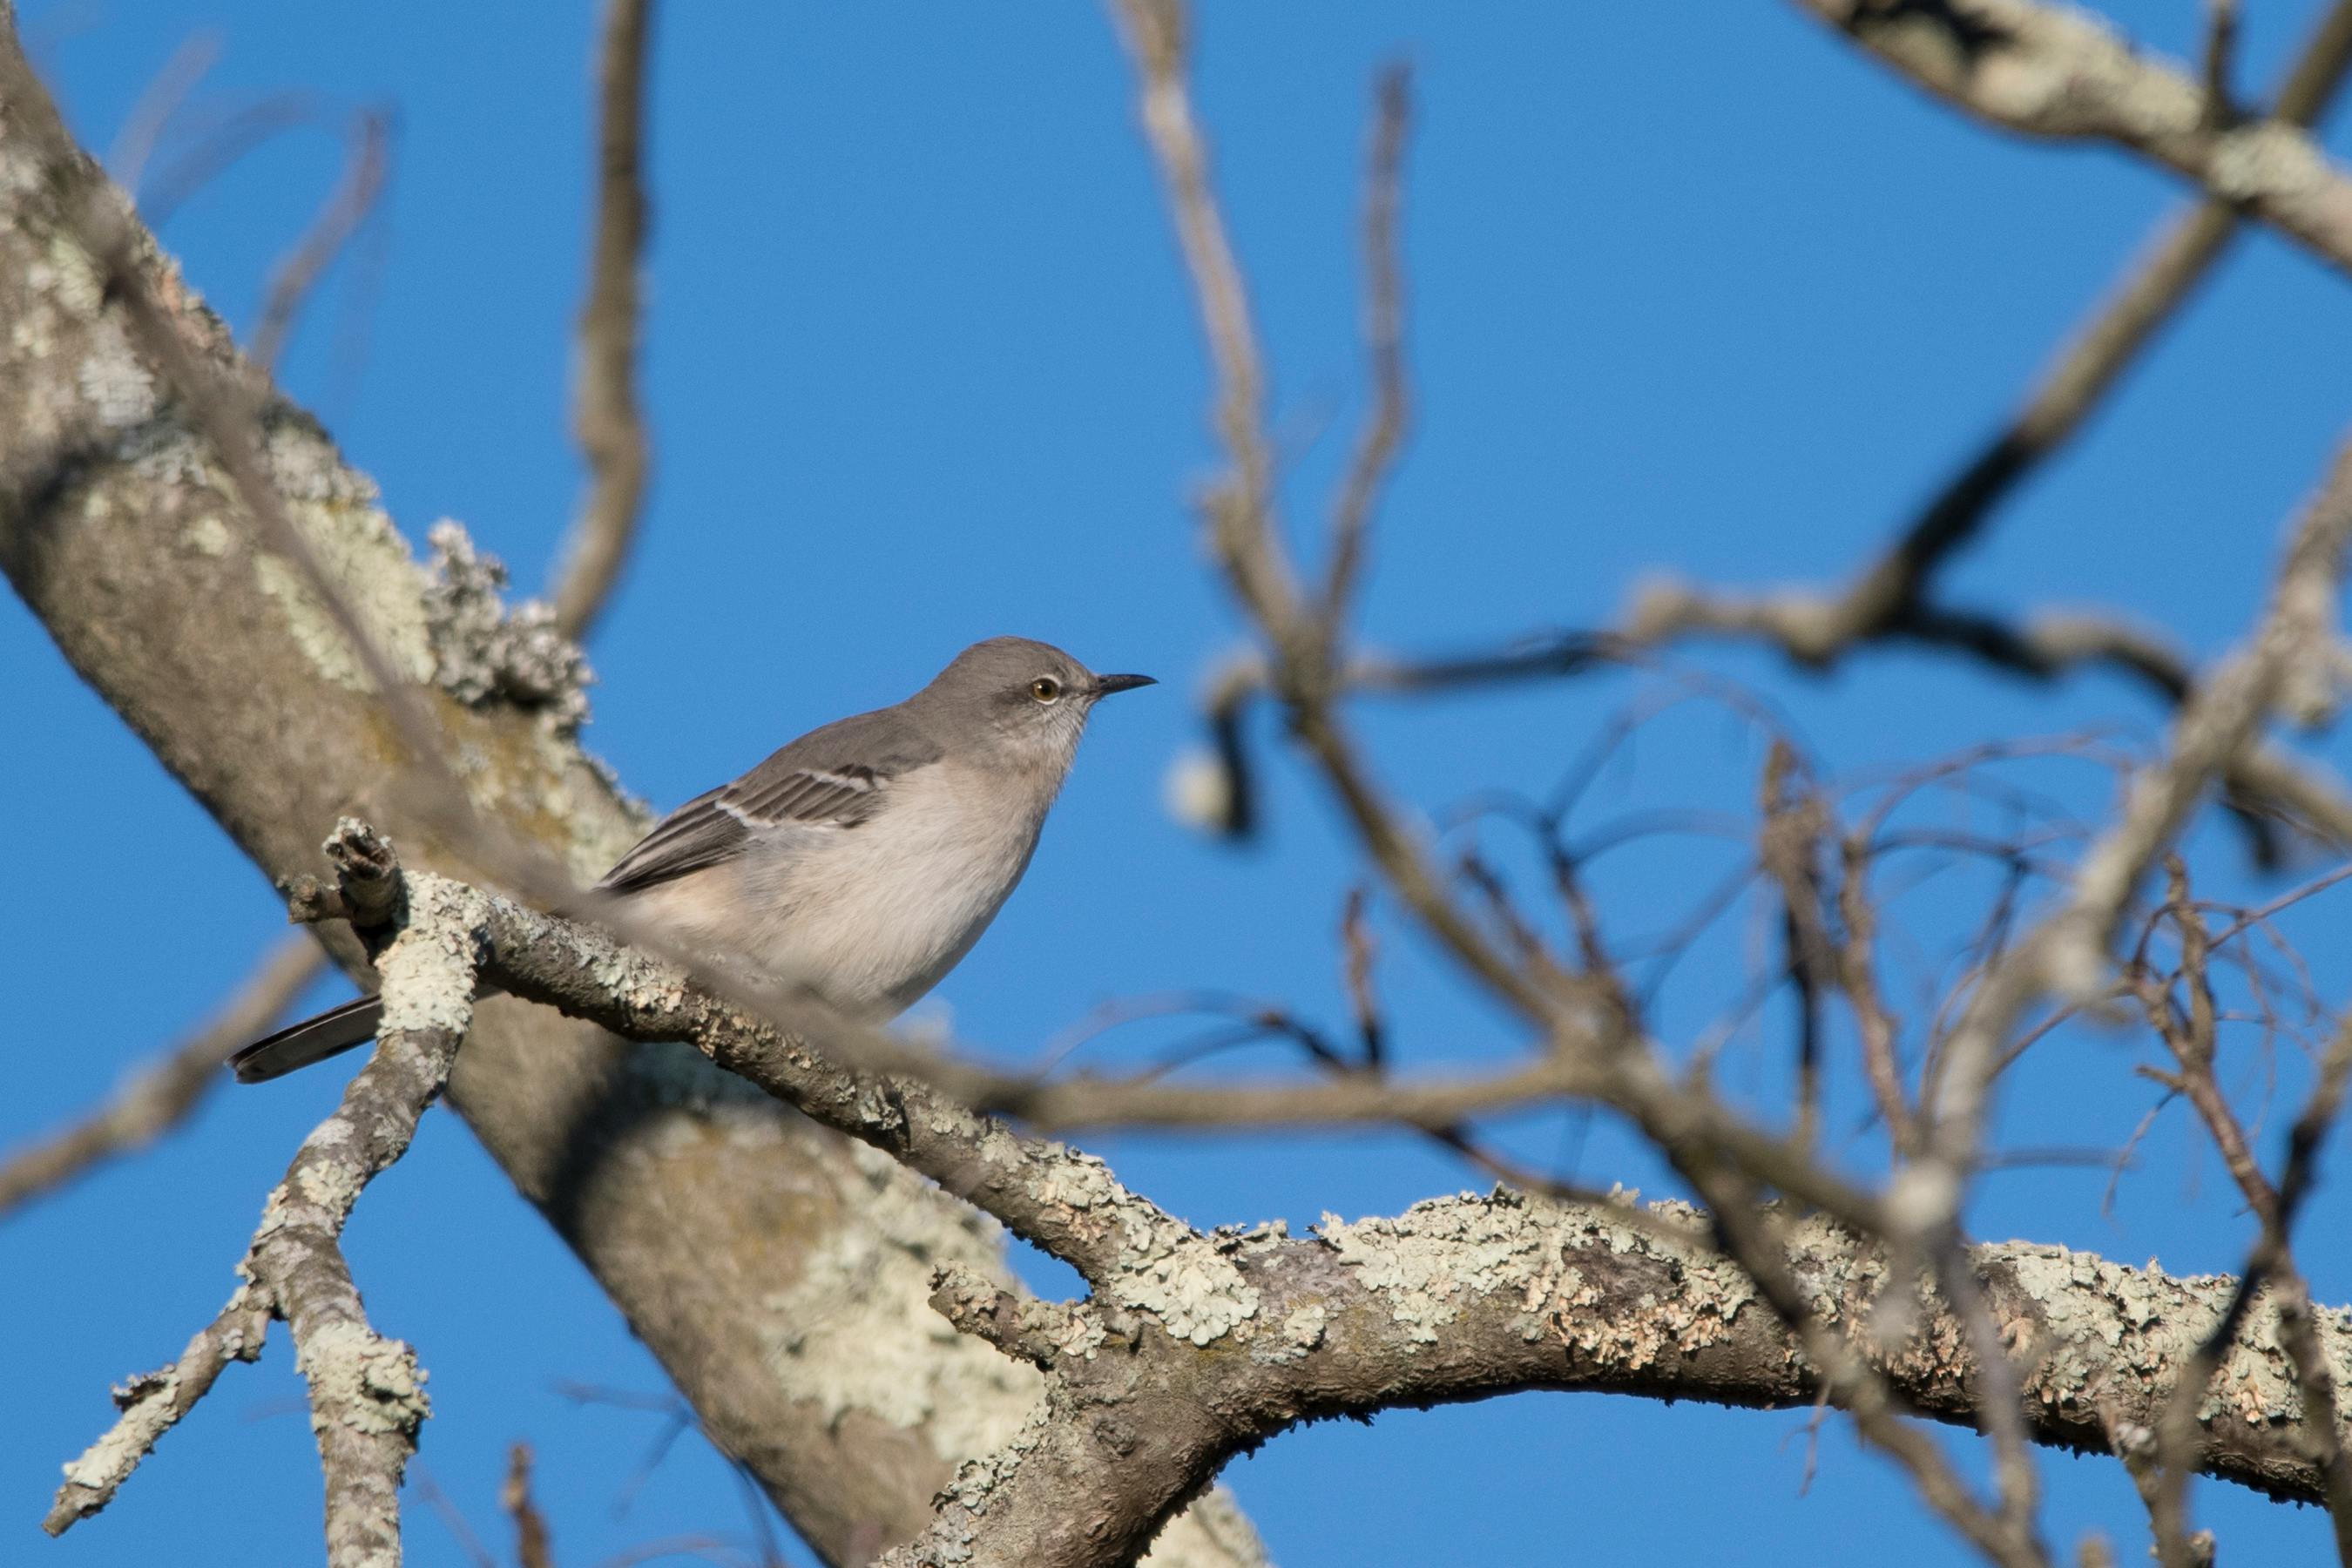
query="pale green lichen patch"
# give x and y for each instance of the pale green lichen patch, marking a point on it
(1302, 1330)
(856, 1331)
(116, 387)
(1436, 1258)
(372, 1384)
(1442, 1258)
(1197, 1293)
(206, 535)
(969, 1494)
(71, 278)
(328, 1184)
(428, 971)
(2105, 1330)
(2263, 159)
(358, 548)
(1163, 1265)
(146, 1407)
(1074, 1332)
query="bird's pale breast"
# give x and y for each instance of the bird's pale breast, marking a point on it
(871, 916)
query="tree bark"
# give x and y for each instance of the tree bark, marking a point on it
(778, 1273)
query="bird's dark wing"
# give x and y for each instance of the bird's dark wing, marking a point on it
(835, 778)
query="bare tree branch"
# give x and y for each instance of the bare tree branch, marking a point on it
(2266, 784)
(2067, 951)
(1889, 599)
(2191, 1033)
(1384, 431)
(532, 1548)
(2176, 256)
(2053, 71)
(610, 425)
(353, 200)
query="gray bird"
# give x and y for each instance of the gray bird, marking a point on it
(863, 861)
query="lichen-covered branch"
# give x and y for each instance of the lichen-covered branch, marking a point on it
(367, 1395)
(153, 1402)
(1463, 1298)
(1193, 1346)
(2055, 71)
(1063, 1201)
(718, 1225)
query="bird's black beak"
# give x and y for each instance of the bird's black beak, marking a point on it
(1106, 684)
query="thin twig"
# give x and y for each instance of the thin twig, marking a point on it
(532, 1548)
(424, 1488)
(354, 200)
(607, 417)
(1789, 848)
(1363, 951)
(2221, 62)
(1858, 977)
(165, 96)
(1384, 432)
(2176, 257)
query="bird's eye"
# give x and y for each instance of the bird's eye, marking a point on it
(1045, 688)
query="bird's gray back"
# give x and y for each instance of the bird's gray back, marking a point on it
(838, 775)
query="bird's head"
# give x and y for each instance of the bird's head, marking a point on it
(1023, 703)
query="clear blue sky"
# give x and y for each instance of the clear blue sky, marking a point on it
(1693, 289)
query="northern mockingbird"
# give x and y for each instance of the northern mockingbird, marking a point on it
(863, 861)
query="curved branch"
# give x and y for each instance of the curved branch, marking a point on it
(605, 416)
(1194, 1347)
(1466, 1298)
(2053, 71)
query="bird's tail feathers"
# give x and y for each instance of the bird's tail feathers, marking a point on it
(314, 1039)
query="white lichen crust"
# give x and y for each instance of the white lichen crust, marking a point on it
(483, 651)
(366, 1391)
